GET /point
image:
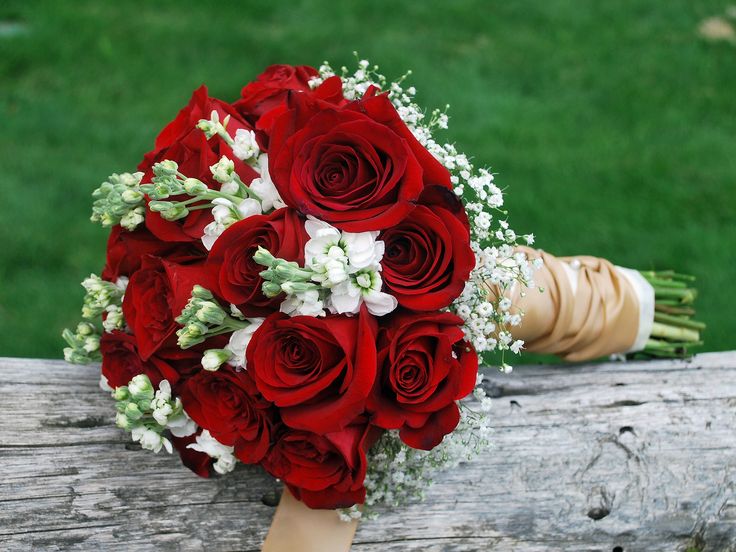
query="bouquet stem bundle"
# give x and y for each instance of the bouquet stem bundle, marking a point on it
(674, 331)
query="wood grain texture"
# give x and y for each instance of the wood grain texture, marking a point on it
(638, 456)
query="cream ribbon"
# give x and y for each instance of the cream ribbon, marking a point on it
(589, 308)
(298, 528)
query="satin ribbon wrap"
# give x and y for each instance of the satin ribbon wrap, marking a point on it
(298, 528)
(589, 308)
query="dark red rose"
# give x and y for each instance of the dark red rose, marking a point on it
(323, 471)
(424, 366)
(155, 296)
(234, 274)
(271, 87)
(227, 404)
(357, 167)
(183, 142)
(318, 371)
(125, 250)
(121, 361)
(199, 462)
(427, 259)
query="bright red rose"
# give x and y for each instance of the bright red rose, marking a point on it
(125, 251)
(318, 371)
(427, 259)
(227, 404)
(234, 274)
(323, 471)
(155, 296)
(424, 366)
(358, 167)
(270, 88)
(199, 462)
(183, 142)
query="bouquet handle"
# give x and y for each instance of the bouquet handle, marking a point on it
(295, 526)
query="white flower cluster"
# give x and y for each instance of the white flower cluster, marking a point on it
(348, 266)
(146, 414)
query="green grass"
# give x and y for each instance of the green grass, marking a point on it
(612, 124)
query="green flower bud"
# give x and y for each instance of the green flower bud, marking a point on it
(160, 206)
(214, 358)
(176, 213)
(211, 313)
(263, 257)
(194, 187)
(132, 412)
(165, 168)
(271, 289)
(121, 393)
(201, 293)
(140, 387)
(132, 197)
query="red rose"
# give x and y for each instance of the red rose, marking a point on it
(125, 251)
(270, 88)
(318, 371)
(427, 259)
(199, 462)
(227, 404)
(183, 142)
(155, 296)
(236, 276)
(358, 168)
(424, 367)
(323, 471)
(121, 361)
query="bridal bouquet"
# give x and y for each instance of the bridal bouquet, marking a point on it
(300, 279)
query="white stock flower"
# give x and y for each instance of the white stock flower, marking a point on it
(239, 341)
(150, 440)
(225, 213)
(245, 146)
(264, 187)
(214, 449)
(307, 303)
(363, 287)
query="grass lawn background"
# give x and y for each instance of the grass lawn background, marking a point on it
(612, 125)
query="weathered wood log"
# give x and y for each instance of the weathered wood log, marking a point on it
(611, 457)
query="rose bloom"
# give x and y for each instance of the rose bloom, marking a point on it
(121, 361)
(358, 167)
(155, 295)
(318, 371)
(427, 259)
(271, 87)
(235, 276)
(228, 405)
(323, 471)
(424, 367)
(183, 142)
(126, 249)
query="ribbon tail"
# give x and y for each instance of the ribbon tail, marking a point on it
(296, 527)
